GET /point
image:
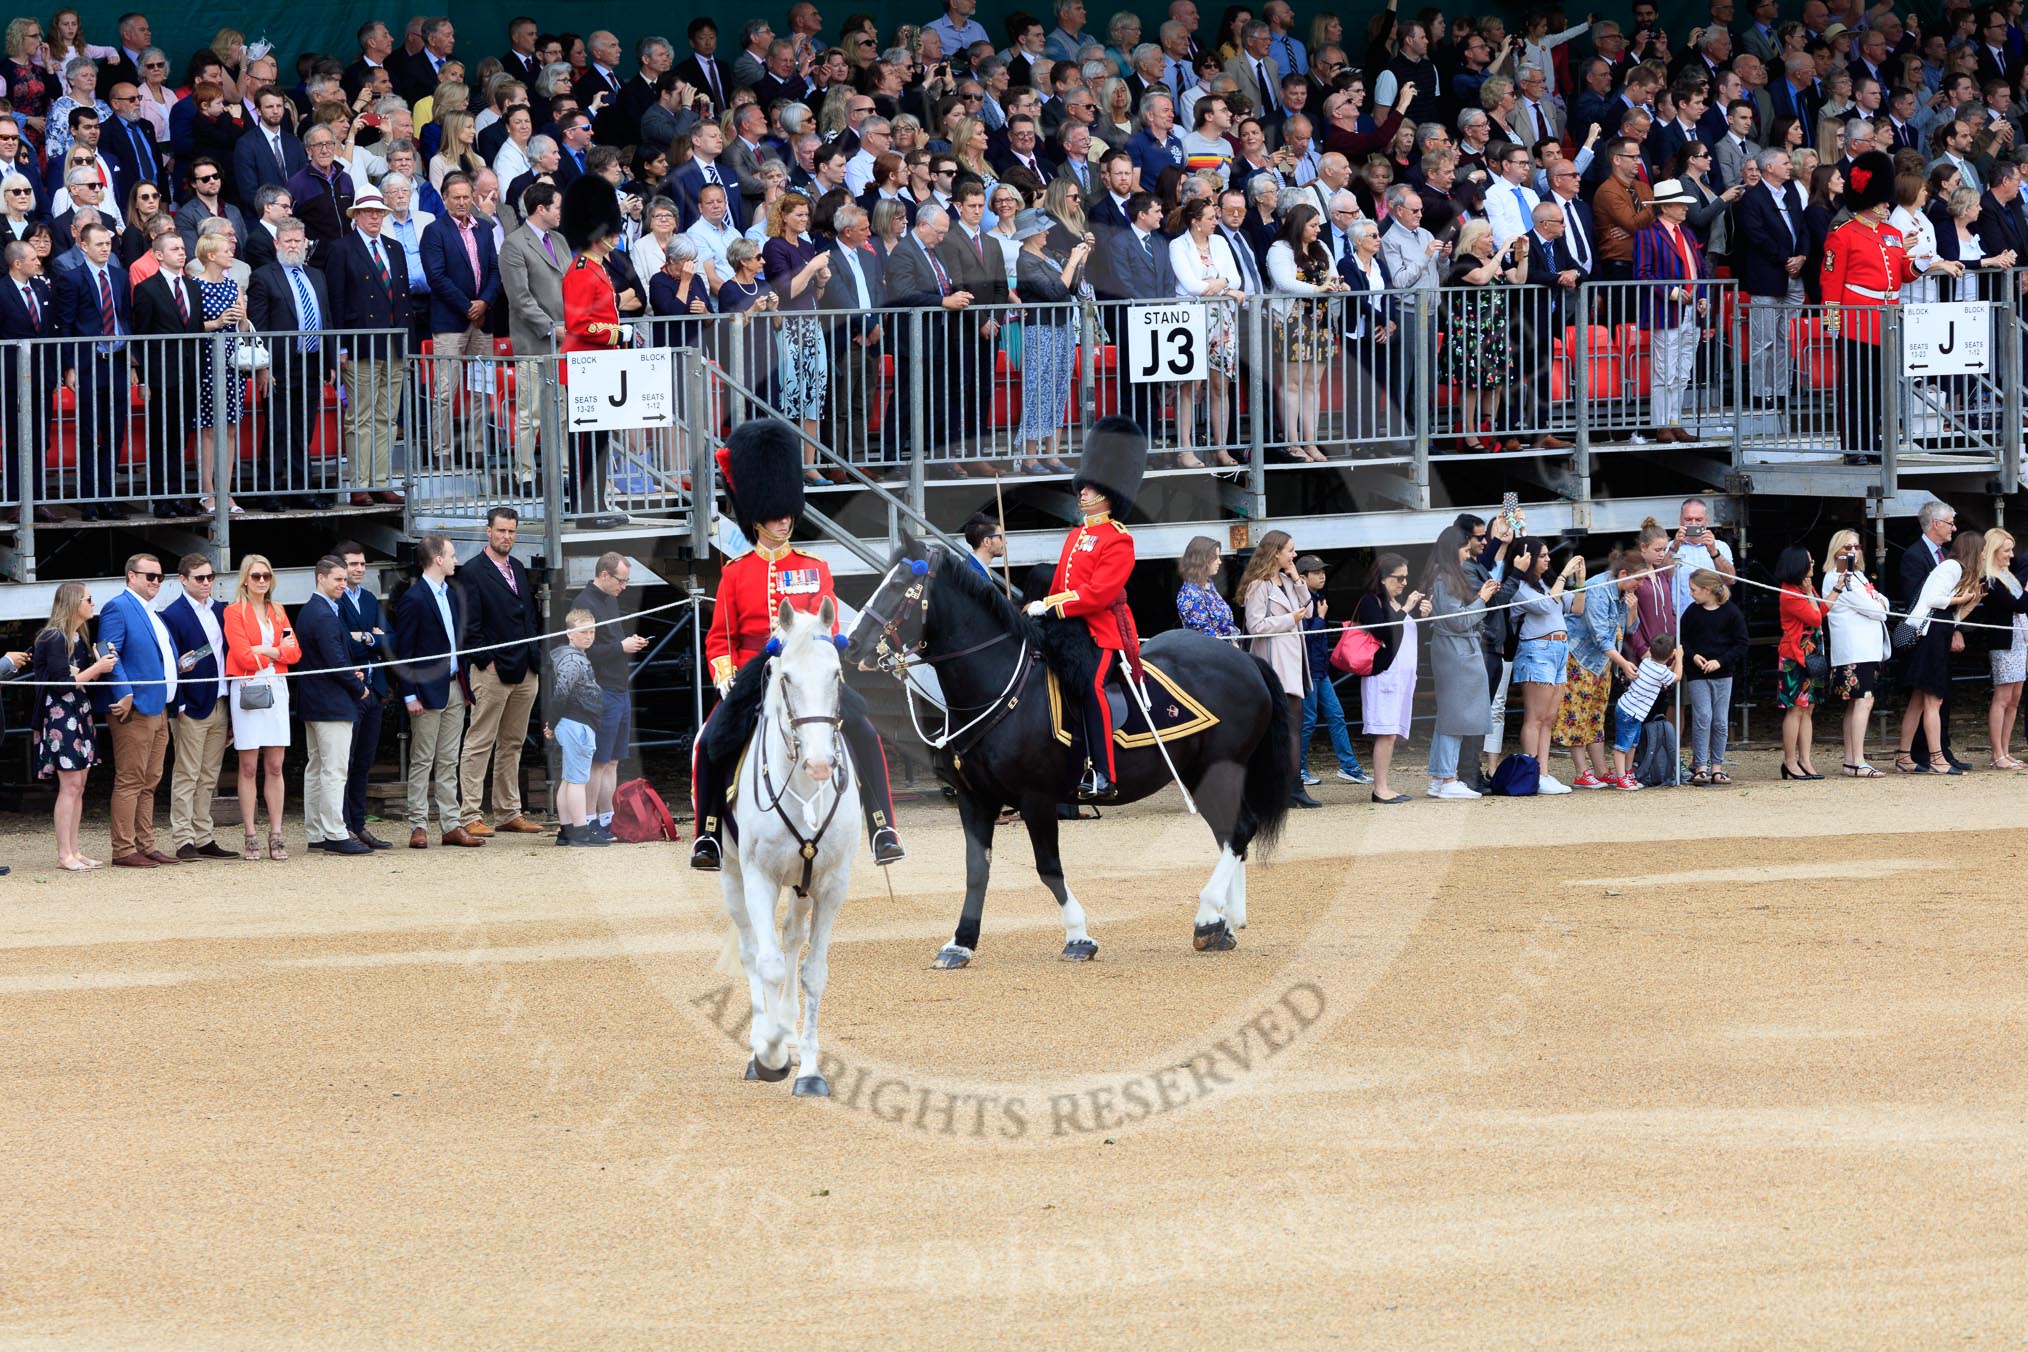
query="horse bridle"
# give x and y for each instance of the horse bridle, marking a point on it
(891, 654)
(807, 845)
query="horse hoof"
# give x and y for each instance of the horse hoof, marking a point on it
(1215, 937)
(756, 1071)
(1080, 950)
(951, 957)
(812, 1086)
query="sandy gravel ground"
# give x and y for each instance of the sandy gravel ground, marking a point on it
(1690, 1068)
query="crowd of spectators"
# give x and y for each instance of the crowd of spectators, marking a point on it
(1330, 169)
(457, 653)
(1657, 636)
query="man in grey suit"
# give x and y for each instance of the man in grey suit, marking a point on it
(1737, 146)
(743, 152)
(531, 274)
(1255, 72)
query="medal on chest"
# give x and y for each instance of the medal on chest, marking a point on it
(798, 582)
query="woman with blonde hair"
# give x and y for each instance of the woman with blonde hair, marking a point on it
(1857, 623)
(456, 153)
(2002, 620)
(229, 46)
(1273, 598)
(260, 647)
(968, 148)
(224, 310)
(65, 667)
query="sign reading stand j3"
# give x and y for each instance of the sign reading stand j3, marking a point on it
(1948, 339)
(615, 391)
(1167, 342)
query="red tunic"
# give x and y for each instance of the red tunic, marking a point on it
(1091, 575)
(591, 312)
(1865, 267)
(750, 591)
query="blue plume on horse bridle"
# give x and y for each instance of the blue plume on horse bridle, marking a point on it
(918, 567)
(774, 646)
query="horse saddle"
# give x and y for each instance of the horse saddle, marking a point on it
(1178, 713)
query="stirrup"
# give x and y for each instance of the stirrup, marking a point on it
(704, 854)
(887, 847)
(1095, 787)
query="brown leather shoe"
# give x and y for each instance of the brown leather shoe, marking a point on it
(134, 861)
(520, 826)
(459, 835)
(388, 499)
(418, 839)
(1551, 443)
(478, 829)
(362, 499)
(162, 858)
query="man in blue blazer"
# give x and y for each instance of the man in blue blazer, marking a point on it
(1770, 249)
(289, 299)
(428, 621)
(462, 297)
(254, 156)
(1138, 268)
(100, 362)
(143, 689)
(200, 722)
(368, 643)
(328, 697)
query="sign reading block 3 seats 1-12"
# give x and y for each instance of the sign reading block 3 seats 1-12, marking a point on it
(1166, 342)
(1950, 339)
(619, 390)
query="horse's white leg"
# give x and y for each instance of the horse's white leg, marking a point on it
(830, 900)
(1073, 918)
(1216, 896)
(795, 933)
(1235, 896)
(768, 1035)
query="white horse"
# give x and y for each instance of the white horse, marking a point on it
(796, 827)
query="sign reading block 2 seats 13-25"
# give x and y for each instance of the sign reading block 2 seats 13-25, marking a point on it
(619, 390)
(1948, 339)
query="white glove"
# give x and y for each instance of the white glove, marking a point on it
(724, 688)
(1036, 608)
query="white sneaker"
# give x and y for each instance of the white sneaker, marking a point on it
(1550, 784)
(1435, 789)
(1456, 789)
(1310, 780)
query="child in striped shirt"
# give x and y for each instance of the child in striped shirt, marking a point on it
(1660, 669)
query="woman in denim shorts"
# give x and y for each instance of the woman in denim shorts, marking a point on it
(1540, 610)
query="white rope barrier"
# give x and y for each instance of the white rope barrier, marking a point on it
(389, 664)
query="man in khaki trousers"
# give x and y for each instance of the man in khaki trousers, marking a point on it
(427, 624)
(505, 676)
(200, 721)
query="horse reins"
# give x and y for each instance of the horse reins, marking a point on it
(807, 846)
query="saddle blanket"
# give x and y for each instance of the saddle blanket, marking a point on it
(1178, 714)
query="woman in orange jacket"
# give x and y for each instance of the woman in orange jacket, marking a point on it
(260, 647)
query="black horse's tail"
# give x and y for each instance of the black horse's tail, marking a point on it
(1270, 773)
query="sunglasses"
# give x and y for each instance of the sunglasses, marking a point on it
(259, 577)
(154, 65)
(30, 192)
(204, 178)
(199, 577)
(147, 577)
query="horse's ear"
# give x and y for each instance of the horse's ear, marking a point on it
(827, 614)
(785, 616)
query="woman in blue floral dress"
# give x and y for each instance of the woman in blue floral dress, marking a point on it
(1198, 603)
(223, 309)
(65, 744)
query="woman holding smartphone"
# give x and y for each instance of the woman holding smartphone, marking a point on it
(260, 647)
(1544, 649)
(1857, 621)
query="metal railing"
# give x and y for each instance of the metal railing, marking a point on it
(1385, 381)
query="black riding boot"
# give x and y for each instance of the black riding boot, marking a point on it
(707, 797)
(1096, 786)
(875, 797)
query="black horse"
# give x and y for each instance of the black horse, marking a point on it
(933, 608)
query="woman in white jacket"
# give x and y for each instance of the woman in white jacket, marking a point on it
(1299, 269)
(1857, 621)
(1206, 270)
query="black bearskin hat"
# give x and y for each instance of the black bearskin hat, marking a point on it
(1869, 182)
(590, 209)
(1115, 458)
(762, 465)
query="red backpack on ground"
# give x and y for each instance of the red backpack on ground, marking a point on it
(639, 814)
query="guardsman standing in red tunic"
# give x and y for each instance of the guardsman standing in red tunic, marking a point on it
(762, 465)
(1865, 266)
(1091, 581)
(591, 317)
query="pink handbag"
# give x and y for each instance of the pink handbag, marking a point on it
(1355, 652)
